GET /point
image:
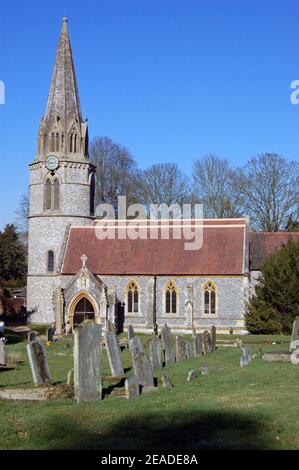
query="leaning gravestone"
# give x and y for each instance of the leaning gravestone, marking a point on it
(294, 339)
(213, 337)
(207, 342)
(132, 387)
(131, 333)
(155, 353)
(143, 370)
(38, 363)
(2, 353)
(136, 345)
(197, 340)
(180, 348)
(189, 349)
(113, 353)
(87, 362)
(166, 337)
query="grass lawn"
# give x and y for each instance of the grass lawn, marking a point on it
(256, 407)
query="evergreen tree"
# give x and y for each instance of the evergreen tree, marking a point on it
(275, 304)
(12, 255)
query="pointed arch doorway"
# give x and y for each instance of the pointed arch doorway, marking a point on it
(82, 308)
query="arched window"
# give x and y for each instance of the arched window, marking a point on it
(83, 311)
(57, 142)
(56, 195)
(171, 298)
(133, 298)
(52, 142)
(48, 195)
(50, 262)
(75, 143)
(209, 292)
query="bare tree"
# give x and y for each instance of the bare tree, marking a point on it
(269, 188)
(22, 214)
(116, 171)
(213, 186)
(163, 183)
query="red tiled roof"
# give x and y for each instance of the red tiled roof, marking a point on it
(222, 252)
(263, 244)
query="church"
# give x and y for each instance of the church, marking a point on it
(74, 274)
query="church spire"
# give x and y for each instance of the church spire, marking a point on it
(62, 129)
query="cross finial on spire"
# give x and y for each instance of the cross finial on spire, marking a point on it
(84, 260)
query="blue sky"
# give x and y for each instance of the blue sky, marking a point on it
(171, 80)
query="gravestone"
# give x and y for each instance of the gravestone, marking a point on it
(204, 369)
(155, 353)
(295, 357)
(2, 353)
(213, 337)
(166, 337)
(207, 342)
(131, 333)
(143, 370)
(294, 338)
(197, 341)
(110, 326)
(244, 361)
(87, 362)
(166, 382)
(38, 363)
(70, 377)
(180, 348)
(247, 352)
(136, 345)
(191, 375)
(189, 349)
(113, 353)
(31, 336)
(132, 387)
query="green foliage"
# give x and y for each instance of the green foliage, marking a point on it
(12, 255)
(276, 301)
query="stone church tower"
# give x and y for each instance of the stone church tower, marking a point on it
(61, 183)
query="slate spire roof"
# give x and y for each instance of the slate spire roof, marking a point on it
(63, 96)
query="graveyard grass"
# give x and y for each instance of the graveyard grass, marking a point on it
(254, 407)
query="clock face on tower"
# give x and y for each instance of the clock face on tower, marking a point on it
(52, 162)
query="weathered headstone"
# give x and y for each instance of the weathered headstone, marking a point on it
(295, 357)
(155, 353)
(131, 333)
(87, 362)
(132, 387)
(70, 377)
(294, 337)
(113, 353)
(197, 340)
(166, 382)
(204, 369)
(111, 326)
(2, 353)
(166, 337)
(247, 352)
(136, 345)
(207, 342)
(31, 336)
(213, 337)
(180, 348)
(143, 369)
(189, 349)
(191, 375)
(244, 361)
(38, 363)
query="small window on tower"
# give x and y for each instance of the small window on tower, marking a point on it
(50, 261)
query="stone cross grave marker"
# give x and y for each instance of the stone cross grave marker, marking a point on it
(132, 387)
(155, 353)
(294, 338)
(87, 362)
(38, 363)
(207, 342)
(197, 340)
(113, 353)
(180, 348)
(166, 337)
(131, 333)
